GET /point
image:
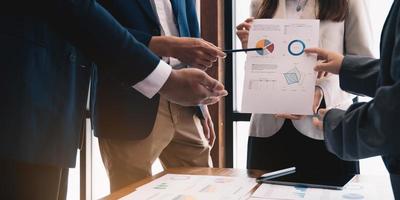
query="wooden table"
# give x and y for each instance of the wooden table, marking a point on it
(192, 171)
(382, 183)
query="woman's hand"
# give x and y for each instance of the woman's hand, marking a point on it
(318, 96)
(242, 31)
(289, 116)
(318, 120)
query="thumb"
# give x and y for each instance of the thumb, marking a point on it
(250, 19)
(214, 86)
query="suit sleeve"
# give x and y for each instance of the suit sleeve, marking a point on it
(359, 75)
(96, 33)
(142, 37)
(365, 129)
(372, 128)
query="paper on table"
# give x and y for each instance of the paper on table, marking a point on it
(351, 191)
(196, 186)
(165, 195)
(280, 78)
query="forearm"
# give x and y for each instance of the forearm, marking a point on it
(94, 31)
(162, 45)
(366, 129)
(359, 75)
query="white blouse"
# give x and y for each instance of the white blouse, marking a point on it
(349, 37)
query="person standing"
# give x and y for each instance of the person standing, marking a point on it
(369, 128)
(44, 87)
(285, 140)
(131, 139)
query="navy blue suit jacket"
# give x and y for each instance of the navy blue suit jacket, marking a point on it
(373, 128)
(121, 114)
(42, 83)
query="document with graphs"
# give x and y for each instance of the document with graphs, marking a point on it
(280, 78)
(184, 186)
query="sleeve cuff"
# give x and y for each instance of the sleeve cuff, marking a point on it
(153, 83)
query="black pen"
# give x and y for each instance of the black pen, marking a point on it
(240, 50)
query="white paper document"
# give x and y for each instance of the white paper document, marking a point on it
(351, 191)
(193, 187)
(280, 78)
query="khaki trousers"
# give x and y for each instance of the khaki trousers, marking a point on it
(177, 139)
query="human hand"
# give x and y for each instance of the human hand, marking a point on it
(289, 116)
(194, 52)
(322, 75)
(318, 96)
(208, 127)
(332, 61)
(190, 87)
(318, 119)
(242, 31)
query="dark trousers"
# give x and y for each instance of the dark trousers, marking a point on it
(289, 148)
(21, 181)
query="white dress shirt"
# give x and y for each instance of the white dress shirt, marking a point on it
(168, 26)
(153, 83)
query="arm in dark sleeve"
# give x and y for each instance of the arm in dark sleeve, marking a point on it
(366, 129)
(96, 33)
(359, 75)
(142, 37)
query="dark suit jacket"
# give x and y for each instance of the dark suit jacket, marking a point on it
(43, 86)
(373, 128)
(119, 113)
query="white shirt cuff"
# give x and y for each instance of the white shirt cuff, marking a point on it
(153, 82)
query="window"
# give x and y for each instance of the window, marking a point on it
(237, 123)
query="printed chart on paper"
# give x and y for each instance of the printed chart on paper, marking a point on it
(280, 77)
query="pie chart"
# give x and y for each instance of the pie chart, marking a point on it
(268, 47)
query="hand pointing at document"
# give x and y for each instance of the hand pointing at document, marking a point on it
(189, 87)
(332, 63)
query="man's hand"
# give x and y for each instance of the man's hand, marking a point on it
(194, 52)
(190, 87)
(208, 127)
(331, 61)
(318, 119)
(242, 31)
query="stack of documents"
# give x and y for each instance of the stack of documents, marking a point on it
(194, 187)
